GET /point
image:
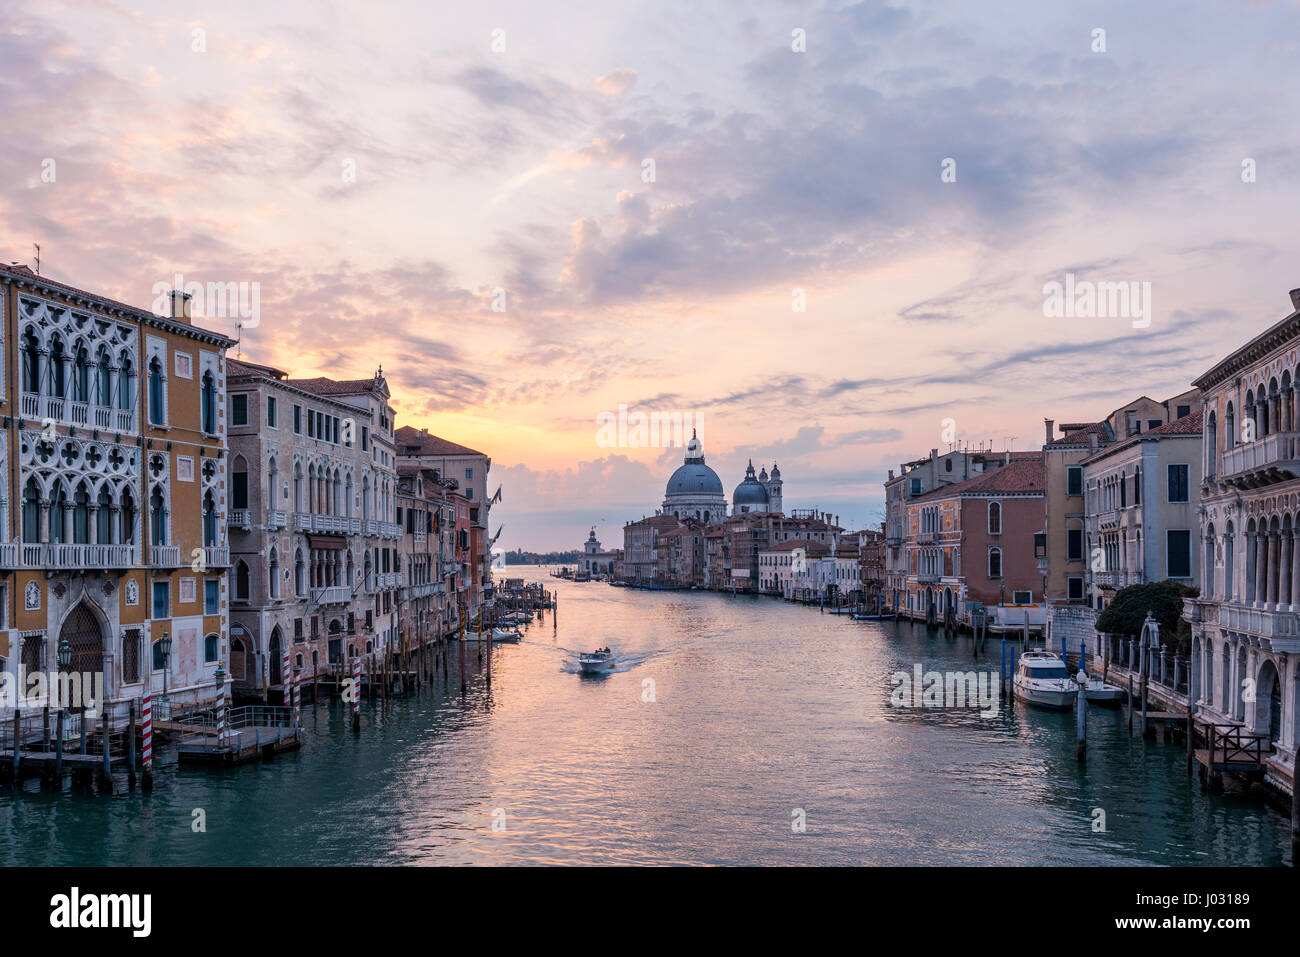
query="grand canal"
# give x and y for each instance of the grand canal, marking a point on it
(726, 719)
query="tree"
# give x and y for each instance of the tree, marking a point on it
(1164, 600)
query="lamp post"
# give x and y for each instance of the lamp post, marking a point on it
(165, 646)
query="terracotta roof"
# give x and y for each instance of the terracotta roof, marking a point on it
(1187, 425)
(408, 437)
(327, 387)
(238, 367)
(1025, 473)
(1078, 434)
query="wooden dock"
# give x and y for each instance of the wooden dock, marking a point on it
(238, 747)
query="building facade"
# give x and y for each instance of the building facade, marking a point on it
(114, 491)
(1246, 622)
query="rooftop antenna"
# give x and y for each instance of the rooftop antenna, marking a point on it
(38, 258)
(239, 335)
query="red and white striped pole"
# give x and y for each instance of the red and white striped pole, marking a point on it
(356, 694)
(286, 676)
(297, 700)
(146, 739)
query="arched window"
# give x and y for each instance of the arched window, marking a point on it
(299, 574)
(81, 376)
(125, 384)
(995, 518)
(1229, 428)
(209, 403)
(241, 580)
(104, 516)
(272, 484)
(157, 518)
(31, 512)
(31, 362)
(239, 483)
(209, 520)
(81, 514)
(157, 405)
(297, 487)
(57, 382)
(128, 517)
(58, 499)
(995, 563)
(1229, 581)
(103, 380)
(1212, 446)
(210, 648)
(273, 573)
(1208, 572)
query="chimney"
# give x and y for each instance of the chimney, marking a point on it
(891, 473)
(1092, 440)
(1051, 429)
(180, 305)
(1295, 299)
(934, 454)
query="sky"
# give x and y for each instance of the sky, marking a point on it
(822, 230)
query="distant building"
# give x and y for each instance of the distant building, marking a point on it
(594, 561)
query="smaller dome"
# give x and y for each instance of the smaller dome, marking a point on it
(749, 492)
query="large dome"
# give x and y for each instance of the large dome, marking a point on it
(694, 479)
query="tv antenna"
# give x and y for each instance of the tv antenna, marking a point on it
(38, 258)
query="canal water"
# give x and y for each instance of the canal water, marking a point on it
(728, 722)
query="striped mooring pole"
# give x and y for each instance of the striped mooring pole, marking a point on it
(146, 740)
(286, 676)
(221, 717)
(356, 694)
(297, 700)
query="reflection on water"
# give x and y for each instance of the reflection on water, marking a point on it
(723, 717)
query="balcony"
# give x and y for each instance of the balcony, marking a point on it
(1273, 458)
(1108, 518)
(70, 412)
(389, 530)
(276, 518)
(411, 592)
(240, 518)
(72, 556)
(331, 595)
(1277, 629)
(166, 556)
(9, 555)
(321, 524)
(216, 556)
(385, 580)
(1115, 579)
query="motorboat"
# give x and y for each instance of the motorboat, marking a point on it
(596, 662)
(506, 635)
(1099, 693)
(884, 616)
(1042, 679)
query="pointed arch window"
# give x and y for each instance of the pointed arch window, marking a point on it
(157, 405)
(273, 573)
(57, 502)
(239, 485)
(995, 563)
(31, 362)
(299, 574)
(104, 516)
(125, 384)
(81, 376)
(128, 517)
(31, 512)
(157, 518)
(209, 520)
(58, 382)
(103, 381)
(209, 403)
(241, 580)
(81, 514)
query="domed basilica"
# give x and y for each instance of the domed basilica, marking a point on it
(695, 491)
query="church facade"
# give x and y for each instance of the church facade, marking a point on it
(695, 492)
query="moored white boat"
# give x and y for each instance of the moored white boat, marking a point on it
(1042, 679)
(1098, 692)
(505, 634)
